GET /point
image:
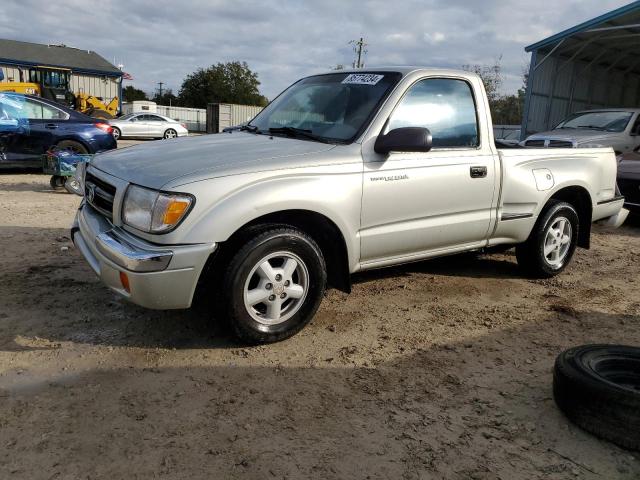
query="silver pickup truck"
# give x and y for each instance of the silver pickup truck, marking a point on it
(342, 172)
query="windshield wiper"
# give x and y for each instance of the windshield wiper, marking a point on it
(591, 127)
(298, 132)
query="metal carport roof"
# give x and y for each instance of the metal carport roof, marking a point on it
(595, 64)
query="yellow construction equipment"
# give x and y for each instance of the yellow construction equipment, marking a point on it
(53, 84)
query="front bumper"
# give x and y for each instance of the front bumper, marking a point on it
(159, 277)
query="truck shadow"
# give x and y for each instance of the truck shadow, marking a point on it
(49, 291)
(479, 408)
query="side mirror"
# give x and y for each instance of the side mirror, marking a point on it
(406, 139)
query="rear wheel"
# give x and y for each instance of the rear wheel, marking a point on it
(116, 133)
(72, 146)
(170, 133)
(552, 242)
(274, 285)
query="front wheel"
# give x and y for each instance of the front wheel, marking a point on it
(274, 285)
(116, 133)
(552, 242)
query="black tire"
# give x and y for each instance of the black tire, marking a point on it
(268, 241)
(598, 388)
(116, 133)
(530, 254)
(57, 182)
(170, 133)
(72, 146)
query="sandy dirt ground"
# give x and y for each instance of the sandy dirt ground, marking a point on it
(440, 369)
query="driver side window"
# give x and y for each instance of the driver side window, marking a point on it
(443, 105)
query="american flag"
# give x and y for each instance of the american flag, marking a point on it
(126, 76)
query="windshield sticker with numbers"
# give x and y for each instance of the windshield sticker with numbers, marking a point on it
(363, 78)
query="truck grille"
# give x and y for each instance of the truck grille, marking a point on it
(549, 143)
(99, 194)
(630, 189)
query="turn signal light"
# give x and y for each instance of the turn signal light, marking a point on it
(174, 211)
(124, 280)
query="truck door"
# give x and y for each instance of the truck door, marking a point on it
(416, 203)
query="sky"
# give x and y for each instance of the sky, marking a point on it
(283, 40)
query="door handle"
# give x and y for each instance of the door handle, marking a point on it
(478, 172)
(51, 126)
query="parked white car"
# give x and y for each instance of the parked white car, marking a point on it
(147, 125)
(343, 172)
(618, 128)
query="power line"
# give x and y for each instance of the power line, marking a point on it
(358, 48)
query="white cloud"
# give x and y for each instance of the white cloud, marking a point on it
(434, 38)
(283, 40)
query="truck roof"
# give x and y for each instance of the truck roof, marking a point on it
(405, 70)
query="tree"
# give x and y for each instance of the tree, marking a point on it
(491, 77)
(231, 82)
(131, 94)
(167, 98)
(505, 109)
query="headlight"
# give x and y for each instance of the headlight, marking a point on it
(81, 169)
(152, 211)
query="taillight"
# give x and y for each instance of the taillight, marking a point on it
(105, 127)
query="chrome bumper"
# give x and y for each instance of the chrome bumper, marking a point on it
(159, 277)
(127, 256)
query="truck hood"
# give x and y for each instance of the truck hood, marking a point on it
(574, 134)
(189, 159)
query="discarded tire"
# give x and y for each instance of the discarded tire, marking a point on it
(598, 388)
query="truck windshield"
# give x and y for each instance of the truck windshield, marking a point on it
(609, 121)
(333, 107)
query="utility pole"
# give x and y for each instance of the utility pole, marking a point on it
(358, 48)
(160, 89)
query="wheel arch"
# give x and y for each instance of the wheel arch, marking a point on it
(321, 228)
(74, 139)
(580, 199)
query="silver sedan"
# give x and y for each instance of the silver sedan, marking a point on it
(147, 125)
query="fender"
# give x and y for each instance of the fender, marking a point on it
(335, 194)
